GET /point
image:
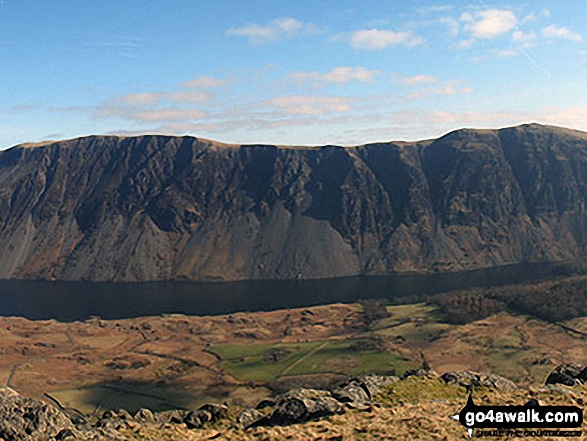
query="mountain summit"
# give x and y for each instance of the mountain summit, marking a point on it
(109, 208)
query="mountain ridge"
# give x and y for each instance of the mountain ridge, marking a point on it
(157, 207)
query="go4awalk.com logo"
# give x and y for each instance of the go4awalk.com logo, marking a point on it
(529, 420)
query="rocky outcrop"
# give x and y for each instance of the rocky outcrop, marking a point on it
(301, 405)
(158, 207)
(359, 392)
(474, 379)
(26, 419)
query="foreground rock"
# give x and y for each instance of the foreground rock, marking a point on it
(301, 405)
(193, 419)
(358, 393)
(26, 418)
(474, 379)
(568, 374)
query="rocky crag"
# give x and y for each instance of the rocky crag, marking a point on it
(109, 208)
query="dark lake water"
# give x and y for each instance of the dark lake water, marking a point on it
(69, 301)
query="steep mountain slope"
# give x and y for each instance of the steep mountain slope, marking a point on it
(159, 207)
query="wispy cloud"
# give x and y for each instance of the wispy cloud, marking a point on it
(206, 82)
(141, 99)
(452, 25)
(308, 105)
(18, 109)
(464, 44)
(524, 39)
(434, 9)
(377, 39)
(554, 31)
(117, 44)
(575, 117)
(507, 53)
(273, 31)
(192, 95)
(149, 99)
(181, 104)
(415, 80)
(120, 45)
(338, 75)
(149, 115)
(166, 114)
(447, 89)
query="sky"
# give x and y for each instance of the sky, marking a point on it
(305, 72)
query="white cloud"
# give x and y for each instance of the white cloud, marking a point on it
(490, 23)
(308, 105)
(376, 39)
(282, 27)
(561, 32)
(339, 75)
(206, 82)
(419, 79)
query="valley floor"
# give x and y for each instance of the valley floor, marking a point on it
(180, 361)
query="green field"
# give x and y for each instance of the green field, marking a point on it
(267, 362)
(417, 322)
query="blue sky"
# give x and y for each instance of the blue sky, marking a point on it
(303, 72)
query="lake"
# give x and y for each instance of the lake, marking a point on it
(70, 301)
